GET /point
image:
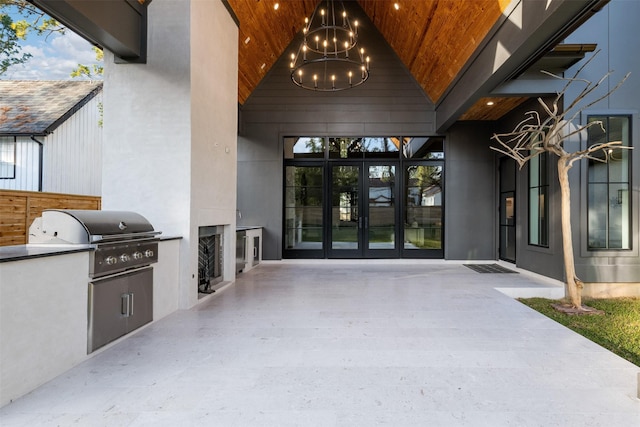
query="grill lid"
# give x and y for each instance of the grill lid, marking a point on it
(89, 226)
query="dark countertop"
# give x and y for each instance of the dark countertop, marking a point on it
(21, 252)
(39, 250)
(163, 238)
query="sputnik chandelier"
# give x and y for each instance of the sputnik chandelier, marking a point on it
(327, 59)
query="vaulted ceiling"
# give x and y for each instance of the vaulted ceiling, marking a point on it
(433, 38)
(453, 48)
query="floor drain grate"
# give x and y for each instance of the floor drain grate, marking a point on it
(489, 268)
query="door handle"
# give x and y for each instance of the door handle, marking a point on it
(360, 222)
(124, 304)
(366, 222)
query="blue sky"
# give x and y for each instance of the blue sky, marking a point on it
(53, 57)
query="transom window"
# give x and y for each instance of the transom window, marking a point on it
(313, 147)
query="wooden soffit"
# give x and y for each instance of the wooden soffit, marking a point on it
(264, 33)
(433, 38)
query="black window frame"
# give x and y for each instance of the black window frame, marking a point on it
(608, 182)
(542, 187)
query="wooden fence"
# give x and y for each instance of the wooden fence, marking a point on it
(18, 209)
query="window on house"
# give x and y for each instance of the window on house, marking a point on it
(608, 201)
(7, 157)
(539, 201)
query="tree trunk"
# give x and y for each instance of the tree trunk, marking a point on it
(574, 291)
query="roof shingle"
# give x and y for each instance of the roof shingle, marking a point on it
(34, 107)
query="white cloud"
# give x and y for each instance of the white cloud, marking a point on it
(53, 58)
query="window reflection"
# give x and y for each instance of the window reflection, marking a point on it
(423, 207)
(431, 148)
(303, 207)
(303, 147)
(345, 148)
(609, 208)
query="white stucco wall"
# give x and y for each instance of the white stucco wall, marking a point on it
(214, 118)
(170, 129)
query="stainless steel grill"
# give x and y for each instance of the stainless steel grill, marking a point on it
(124, 240)
(120, 272)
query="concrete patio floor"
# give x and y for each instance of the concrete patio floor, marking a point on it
(349, 343)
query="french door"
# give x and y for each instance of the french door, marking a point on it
(363, 197)
(364, 210)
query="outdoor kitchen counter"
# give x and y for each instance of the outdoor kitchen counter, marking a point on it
(43, 309)
(22, 252)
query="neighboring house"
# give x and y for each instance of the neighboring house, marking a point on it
(51, 136)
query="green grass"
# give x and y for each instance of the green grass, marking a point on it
(618, 330)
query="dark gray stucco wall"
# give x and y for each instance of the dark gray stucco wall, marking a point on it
(615, 30)
(470, 200)
(390, 103)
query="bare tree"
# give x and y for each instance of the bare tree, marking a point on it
(534, 136)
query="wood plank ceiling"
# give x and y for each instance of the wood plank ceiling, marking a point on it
(433, 38)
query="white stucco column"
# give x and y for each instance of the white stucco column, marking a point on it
(170, 130)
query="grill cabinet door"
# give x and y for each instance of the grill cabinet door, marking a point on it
(118, 305)
(141, 303)
(107, 321)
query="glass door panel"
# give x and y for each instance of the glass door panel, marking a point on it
(423, 217)
(507, 227)
(381, 211)
(303, 210)
(507, 232)
(346, 220)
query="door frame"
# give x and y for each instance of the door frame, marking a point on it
(364, 210)
(425, 152)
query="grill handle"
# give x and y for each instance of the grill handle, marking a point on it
(126, 304)
(120, 237)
